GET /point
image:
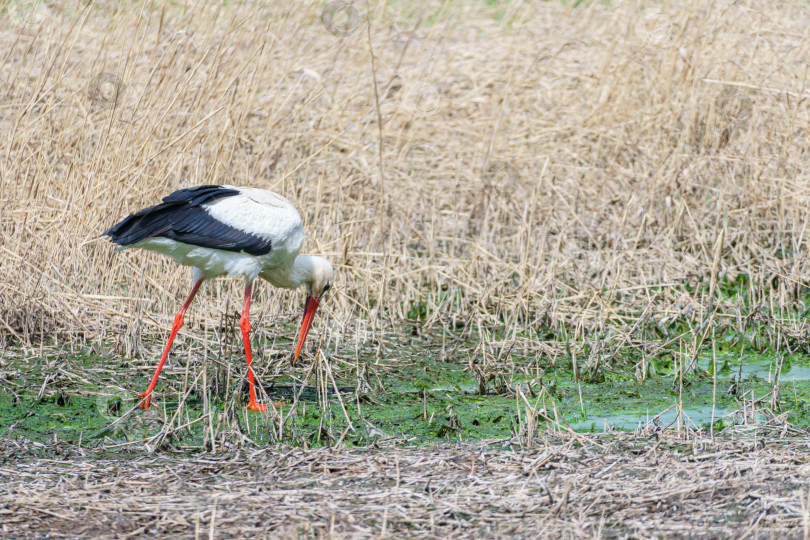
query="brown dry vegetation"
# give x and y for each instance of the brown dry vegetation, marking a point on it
(528, 165)
(595, 177)
(593, 487)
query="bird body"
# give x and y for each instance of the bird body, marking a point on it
(218, 231)
(229, 231)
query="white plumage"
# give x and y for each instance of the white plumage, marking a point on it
(263, 214)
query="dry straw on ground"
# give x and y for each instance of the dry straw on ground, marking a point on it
(530, 164)
(615, 486)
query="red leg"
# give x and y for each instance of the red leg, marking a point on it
(244, 324)
(178, 322)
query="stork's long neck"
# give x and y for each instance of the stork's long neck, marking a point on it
(291, 277)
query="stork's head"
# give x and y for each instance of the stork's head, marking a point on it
(318, 275)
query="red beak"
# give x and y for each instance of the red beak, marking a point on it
(310, 307)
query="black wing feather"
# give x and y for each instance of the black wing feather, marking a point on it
(182, 217)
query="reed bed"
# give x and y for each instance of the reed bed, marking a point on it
(552, 172)
(500, 186)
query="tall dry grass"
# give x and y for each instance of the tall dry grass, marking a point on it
(529, 166)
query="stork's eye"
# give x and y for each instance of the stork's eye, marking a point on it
(326, 288)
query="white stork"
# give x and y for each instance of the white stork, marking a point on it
(229, 231)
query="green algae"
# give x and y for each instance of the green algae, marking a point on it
(420, 402)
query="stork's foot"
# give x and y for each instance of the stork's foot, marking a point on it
(261, 407)
(256, 406)
(145, 402)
